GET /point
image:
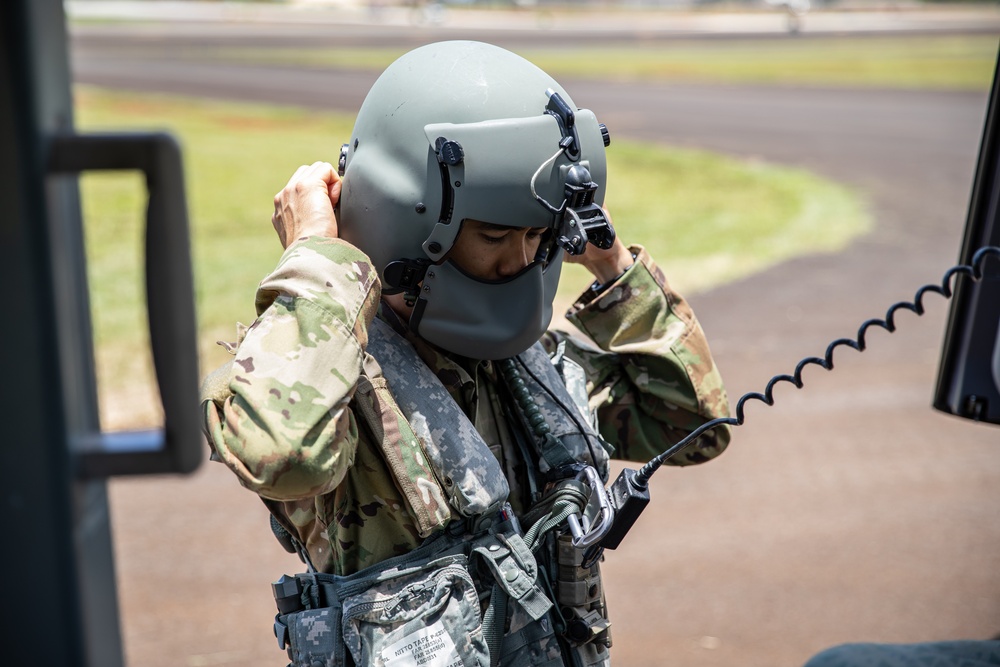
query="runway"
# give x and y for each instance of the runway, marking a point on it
(849, 511)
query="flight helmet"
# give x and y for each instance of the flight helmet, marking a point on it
(464, 130)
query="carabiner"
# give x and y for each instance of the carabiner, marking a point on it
(585, 533)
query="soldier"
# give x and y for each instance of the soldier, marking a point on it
(434, 454)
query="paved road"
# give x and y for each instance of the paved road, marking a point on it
(849, 511)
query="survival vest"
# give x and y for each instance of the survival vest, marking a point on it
(481, 590)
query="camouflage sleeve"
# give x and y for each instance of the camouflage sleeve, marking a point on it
(651, 378)
(278, 414)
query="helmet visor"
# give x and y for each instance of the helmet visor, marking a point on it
(509, 172)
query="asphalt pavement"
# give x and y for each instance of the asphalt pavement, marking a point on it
(849, 511)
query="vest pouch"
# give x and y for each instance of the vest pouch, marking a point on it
(314, 638)
(428, 618)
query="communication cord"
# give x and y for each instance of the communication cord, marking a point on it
(629, 493)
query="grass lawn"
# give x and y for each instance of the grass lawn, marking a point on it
(712, 218)
(963, 62)
(946, 62)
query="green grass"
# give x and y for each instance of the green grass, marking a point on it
(926, 62)
(236, 157)
(705, 217)
(709, 219)
(961, 63)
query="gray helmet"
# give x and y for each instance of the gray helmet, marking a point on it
(459, 131)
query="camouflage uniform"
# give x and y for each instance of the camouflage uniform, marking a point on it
(283, 414)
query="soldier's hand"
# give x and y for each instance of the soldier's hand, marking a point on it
(304, 207)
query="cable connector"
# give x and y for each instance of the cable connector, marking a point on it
(629, 498)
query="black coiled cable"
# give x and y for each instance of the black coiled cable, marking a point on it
(973, 271)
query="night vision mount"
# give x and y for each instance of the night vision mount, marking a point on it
(580, 219)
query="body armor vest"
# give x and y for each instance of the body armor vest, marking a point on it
(548, 612)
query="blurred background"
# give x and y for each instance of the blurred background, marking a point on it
(795, 166)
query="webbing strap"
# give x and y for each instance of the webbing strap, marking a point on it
(555, 452)
(551, 511)
(494, 619)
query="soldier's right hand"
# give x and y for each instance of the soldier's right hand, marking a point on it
(304, 207)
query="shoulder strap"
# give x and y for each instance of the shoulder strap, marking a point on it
(423, 495)
(456, 453)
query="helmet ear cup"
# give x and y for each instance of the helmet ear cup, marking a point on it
(379, 203)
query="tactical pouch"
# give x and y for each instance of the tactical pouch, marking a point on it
(421, 609)
(429, 618)
(313, 638)
(425, 614)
